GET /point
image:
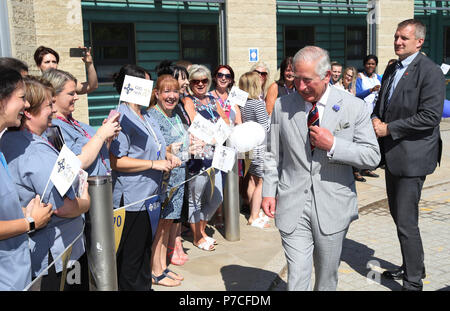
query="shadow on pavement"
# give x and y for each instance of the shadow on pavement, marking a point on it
(359, 257)
(240, 278)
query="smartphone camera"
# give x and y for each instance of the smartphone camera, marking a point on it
(77, 52)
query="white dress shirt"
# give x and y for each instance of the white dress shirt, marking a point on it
(321, 107)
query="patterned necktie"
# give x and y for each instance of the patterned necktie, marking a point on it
(398, 65)
(313, 119)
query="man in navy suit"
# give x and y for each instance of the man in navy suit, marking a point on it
(406, 120)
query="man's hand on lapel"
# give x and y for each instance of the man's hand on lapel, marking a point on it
(321, 138)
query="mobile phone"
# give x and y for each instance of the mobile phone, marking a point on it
(113, 114)
(77, 52)
(55, 137)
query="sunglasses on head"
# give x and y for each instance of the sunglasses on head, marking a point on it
(196, 82)
(222, 75)
(261, 73)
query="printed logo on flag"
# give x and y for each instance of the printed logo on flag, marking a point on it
(65, 170)
(136, 90)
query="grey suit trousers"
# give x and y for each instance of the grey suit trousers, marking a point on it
(307, 244)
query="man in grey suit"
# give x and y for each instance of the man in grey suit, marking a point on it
(318, 133)
(406, 119)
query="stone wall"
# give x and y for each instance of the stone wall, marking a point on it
(52, 23)
(390, 13)
(251, 24)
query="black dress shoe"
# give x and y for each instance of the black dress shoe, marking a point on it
(369, 173)
(358, 177)
(398, 274)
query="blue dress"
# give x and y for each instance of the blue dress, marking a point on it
(15, 260)
(76, 135)
(30, 160)
(136, 141)
(173, 131)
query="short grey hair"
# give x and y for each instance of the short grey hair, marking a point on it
(196, 71)
(420, 30)
(58, 78)
(313, 54)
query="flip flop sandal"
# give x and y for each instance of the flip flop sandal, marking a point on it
(167, 271)
(157, 280)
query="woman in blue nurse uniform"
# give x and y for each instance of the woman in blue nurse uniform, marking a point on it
(15, 260)
(138, 159)
(30, 160)
(89, 145)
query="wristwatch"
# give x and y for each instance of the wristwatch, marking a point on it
(32, 225)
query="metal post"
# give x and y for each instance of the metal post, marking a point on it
(231, 205)
(223, 34)
(100, 245)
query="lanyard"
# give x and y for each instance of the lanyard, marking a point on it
(178, 127)
(150, 129)
(77, 126)
(207, 108)
(5, 165)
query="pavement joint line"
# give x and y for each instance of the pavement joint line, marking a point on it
(375, 204)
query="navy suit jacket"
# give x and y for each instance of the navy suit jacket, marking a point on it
(414, 145)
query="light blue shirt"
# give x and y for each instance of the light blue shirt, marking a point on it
(15, 260)
(400, 71)
(75, 140)
(136, 140)
(30, 160)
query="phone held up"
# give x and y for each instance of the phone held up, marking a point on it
(77, 52)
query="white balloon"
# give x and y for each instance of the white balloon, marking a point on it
(247, 136)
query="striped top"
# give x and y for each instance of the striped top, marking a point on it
(255, 110)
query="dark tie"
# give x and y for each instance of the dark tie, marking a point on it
(398, 65)
(313, 119)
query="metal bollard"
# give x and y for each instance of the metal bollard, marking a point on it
(100, 245)
(231, 205)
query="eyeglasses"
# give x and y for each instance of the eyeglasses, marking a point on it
(222, 75)
(197, 82)
(261, 73)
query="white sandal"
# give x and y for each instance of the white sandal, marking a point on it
(260, 222)
(206, 246)
(211, 240)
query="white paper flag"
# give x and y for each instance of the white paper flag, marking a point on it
(65, 170)
(223, 130)
(136, 90)
(237, 97)
(445, 68)
(203, 129)
(224, 158)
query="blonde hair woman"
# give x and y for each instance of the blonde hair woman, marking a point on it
(349, 80)
(262, 70)
(255, 110)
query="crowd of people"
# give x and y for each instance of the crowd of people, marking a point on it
(148, 151)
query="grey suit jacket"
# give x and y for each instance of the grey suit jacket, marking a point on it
(291, 169)
(413, 116)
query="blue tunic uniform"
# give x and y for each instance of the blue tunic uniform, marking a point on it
(136, 140)
(173, 132)
(75, 138)
(30, 160)
(15, 261)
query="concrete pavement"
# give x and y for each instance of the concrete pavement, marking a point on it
(257, 261)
